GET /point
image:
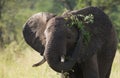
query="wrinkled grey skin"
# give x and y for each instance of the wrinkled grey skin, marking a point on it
(33, 30)
(49, 35)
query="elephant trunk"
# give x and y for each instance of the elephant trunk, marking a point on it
(55, 49)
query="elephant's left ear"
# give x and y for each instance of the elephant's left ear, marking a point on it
(33, 31)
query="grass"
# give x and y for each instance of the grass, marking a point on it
(19, 65)
(115, 73)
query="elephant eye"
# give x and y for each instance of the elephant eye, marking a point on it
(49, 29)
(47, 32)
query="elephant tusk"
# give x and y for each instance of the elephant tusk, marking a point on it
(62, 58)
(39, 63)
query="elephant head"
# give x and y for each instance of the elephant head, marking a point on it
(49, 34)
(59, 41)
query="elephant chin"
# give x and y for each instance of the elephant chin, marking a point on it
(39, 63)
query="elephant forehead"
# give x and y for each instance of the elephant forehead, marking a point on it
(56, 22)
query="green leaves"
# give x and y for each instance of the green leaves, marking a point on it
(89, 18)
(80, 25)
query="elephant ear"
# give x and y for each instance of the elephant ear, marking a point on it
(33, 31)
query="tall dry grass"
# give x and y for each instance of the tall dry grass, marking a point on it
(19, 65)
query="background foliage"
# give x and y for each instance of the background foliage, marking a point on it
(14, 13)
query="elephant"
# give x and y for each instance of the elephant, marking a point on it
(63, 46)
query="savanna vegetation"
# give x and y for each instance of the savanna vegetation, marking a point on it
(16, 57)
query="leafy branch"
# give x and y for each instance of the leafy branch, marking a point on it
(80, 25)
